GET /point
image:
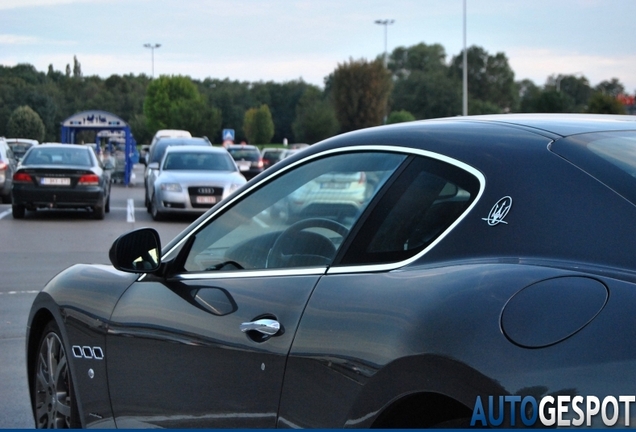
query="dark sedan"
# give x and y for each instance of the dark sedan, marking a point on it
(61, 176)
(248, 159)
(486, 278)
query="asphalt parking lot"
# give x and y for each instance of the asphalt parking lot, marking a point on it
(32, 251)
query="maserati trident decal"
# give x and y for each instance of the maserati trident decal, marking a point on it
(499, 211)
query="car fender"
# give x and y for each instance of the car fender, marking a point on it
(80, 299)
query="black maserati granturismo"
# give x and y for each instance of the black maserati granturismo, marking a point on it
(464, 272)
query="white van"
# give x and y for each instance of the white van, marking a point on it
(174, 133)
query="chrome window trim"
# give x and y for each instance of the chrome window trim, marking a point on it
(315, 271)
(344, 269)
(366, 268)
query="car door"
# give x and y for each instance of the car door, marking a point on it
(206, 345)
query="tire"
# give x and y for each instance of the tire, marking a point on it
(54, 403)
(18, 211)
(154, 211)
(99, 212)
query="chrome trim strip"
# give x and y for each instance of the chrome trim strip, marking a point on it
(316, 271)
(390, 149)
(344, 269)
(393, 266)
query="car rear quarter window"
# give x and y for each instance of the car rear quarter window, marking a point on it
(412, 213)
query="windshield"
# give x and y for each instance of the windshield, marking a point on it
(58, 156)
(182, 161)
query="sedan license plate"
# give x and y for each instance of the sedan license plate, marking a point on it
(206, 200)
(55, 181)
(244, 166)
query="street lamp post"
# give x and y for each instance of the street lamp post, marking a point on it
(152, 51)
(465, 71)
(386, 24)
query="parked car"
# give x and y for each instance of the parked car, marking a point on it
(19, 146)
(156, 152)
(248, 158)
(191, 179)
(288, 152)
(298, 146)
(170, 133)
(270, 156)
(491, 263)
(143, 154)
(8, 163)
(61, 176)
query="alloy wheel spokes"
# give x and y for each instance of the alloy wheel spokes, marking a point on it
(52, 385)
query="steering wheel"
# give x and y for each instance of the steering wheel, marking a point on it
(296, 247)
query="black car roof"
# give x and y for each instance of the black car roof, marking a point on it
(457, 136)
(563, 124)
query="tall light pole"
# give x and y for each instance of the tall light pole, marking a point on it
(465, 71)
(152, 50)
(386, 24)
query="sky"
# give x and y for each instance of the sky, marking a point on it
(285, 40)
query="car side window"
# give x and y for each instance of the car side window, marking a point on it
(299, 219)
(426, 199)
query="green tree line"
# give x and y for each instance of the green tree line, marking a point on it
(419, 82)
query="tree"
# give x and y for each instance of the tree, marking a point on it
(173, 102)
(420, 57)
(529, 94)
(427, 95)
(77, 68)
(490, 78)
(360, 92)
(25, 123)
(611, 88)
(577, 88)
(258, 125)
(315, 117)
(401, 116)
(601, 103)
(232, 99)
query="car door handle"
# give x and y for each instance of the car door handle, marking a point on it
(267, 327)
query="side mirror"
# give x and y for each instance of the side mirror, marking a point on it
(138, 251)
(153, 166)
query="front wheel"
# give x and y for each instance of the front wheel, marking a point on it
(154, 210)
(53, 403)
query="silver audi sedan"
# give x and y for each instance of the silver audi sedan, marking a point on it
(191, 179)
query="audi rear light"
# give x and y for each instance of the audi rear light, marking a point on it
(88, 180)
(22, 177)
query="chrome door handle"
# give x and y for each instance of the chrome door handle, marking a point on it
(267, 327)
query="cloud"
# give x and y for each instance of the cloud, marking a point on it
(21, 4)
(9, 39)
